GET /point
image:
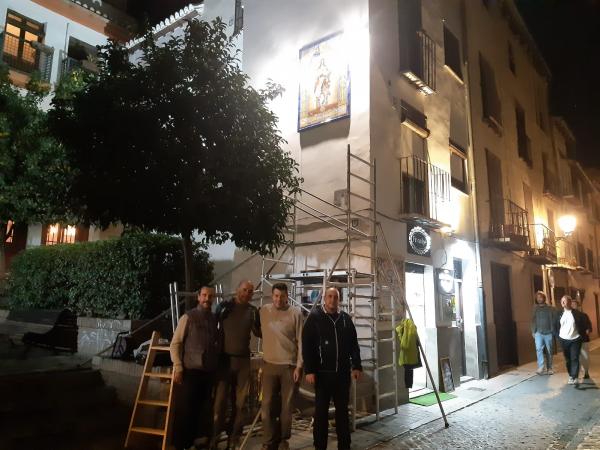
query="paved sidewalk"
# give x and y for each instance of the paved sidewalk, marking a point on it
(412, 416)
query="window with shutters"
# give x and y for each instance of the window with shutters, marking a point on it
(452, 53)
(21, 35)
(523, 141)
(64, 234)
(458, 169)
(489, 95)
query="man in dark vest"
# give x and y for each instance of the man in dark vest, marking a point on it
(331, 357)
(194, 352)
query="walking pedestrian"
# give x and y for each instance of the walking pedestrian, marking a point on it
(194, 352)
(542, 330)
(571, 324)
(281, 326)
(331, 358)
(236, 319)
(584, 356)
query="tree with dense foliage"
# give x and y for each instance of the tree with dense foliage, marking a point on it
(175, 140)
(124, 277)
(34, 174)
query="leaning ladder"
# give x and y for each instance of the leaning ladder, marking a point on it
(143, 401)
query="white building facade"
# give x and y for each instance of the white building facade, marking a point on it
(50, 39)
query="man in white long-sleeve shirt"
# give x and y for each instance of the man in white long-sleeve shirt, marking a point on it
(194, 352)
(282, 369)
(571, 324)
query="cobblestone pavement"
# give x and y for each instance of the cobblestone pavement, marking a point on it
(542, 412)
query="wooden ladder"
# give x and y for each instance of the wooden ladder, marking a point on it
(142, 399)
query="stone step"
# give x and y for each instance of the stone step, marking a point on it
(62, 431)
(49, 382)
(32, 402)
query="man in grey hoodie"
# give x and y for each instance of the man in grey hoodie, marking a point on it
(542, 329)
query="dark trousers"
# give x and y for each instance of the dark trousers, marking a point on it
(193, 407)
(571, 349)
(337, 386)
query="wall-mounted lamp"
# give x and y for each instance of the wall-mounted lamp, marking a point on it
(567, 224)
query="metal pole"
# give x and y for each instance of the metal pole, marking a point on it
(176, 303)
(173, 324)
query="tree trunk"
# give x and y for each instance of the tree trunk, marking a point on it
(2, 250)
(188, 259)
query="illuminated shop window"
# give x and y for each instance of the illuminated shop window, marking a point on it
(60, 234)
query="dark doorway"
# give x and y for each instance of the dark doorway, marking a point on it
(503, 317)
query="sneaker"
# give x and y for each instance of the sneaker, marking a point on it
(576, 381)
(540, 371)
(550, 372)
(571, 381)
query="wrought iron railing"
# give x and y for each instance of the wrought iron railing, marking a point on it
(509, 222)
(26, 56)
(420, 67)
(543, 241)
(552, 185)
(69, 64)
(424, 187)
(567, 252)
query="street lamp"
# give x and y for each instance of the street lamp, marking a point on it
(567, 224)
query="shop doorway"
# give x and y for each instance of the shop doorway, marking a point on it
(415, 298)
(503, 317)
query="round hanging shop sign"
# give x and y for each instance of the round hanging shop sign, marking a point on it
(419, 241)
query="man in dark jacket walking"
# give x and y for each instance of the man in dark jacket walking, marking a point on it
(331, 357)
(194, 352)
(542, 328)
(571, 325)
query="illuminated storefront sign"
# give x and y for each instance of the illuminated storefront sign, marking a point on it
(419, 241)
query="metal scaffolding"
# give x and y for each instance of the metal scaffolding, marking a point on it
(375, 307)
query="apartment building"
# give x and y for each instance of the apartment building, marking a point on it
(374, 109)
(528, 188)
(572, 202)
(52, 38)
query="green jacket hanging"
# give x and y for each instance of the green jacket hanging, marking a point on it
(407, 337)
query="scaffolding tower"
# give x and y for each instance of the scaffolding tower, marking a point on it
(351, 224)
(372, 285)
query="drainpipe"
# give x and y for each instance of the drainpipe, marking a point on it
(482, 352)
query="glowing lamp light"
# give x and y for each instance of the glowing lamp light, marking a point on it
(567, 224)
(447, 230)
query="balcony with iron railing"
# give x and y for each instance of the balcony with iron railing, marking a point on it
(424, 188)
(566, 253)
(509, 227)
(26, 56)
(552, 186)
(69, 64)
(419, 66)
(543, 244)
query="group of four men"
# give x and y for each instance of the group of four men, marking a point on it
(211, 363)
(571, 326)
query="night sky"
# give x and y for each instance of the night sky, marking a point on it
(568, 35)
